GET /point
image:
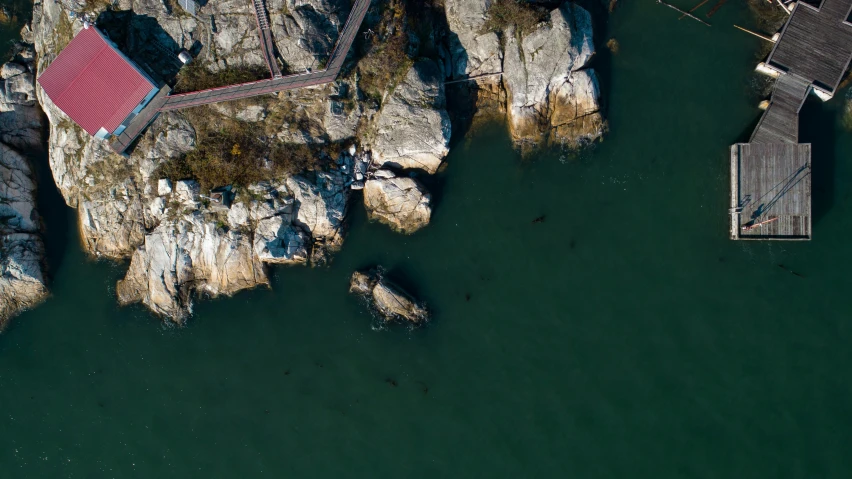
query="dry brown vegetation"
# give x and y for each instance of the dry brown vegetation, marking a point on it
(514, 13)
(195, 76)
(233, 152)
(387, 52)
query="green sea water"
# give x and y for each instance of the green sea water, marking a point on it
(624, 336)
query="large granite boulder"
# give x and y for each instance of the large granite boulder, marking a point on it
(472, 51)
(390, 300)
(546, 82)
(401, 203)
(21, 122)
(277, 241)
(190, 255)
(306, 29)
(22, 284)
(321, 202)
(413, 129)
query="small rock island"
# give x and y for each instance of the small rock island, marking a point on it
(391, 301)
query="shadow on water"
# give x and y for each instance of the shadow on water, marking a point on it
(602, 60)
(816, 126)
(745, 136)
(56, 216)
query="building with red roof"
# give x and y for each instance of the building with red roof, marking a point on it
(96, 85)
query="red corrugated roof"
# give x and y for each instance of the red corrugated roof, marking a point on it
(93, 83)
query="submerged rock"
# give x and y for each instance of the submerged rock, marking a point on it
(390, 300)
(401, 203)
(413, 129)
(550, 94)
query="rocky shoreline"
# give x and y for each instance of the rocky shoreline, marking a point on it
(22, 282)
(382, 124)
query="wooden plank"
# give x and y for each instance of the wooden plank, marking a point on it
(816, 44)
(771, 181)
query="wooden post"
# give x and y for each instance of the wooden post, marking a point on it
(696, 8)
(661, 2)
(716, 8)
(755, 34)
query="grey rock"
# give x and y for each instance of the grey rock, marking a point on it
(413, 129)
(390, 300)
(190, 255)
(8, 70)
(22, 283)
(238, 215)
(545, 83)
(304, 29)
(321, 205)
(472, 51)
(401, 203)
(164, 187)
(187, 191)
(278, 241)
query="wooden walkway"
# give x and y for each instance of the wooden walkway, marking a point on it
(165, 102)
(267, 45)
(771, 182)
(290, 82)
(816, 44)
(771, 175)
(141, 121)
(780, 121)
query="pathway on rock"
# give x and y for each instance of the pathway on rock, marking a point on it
(272, 85)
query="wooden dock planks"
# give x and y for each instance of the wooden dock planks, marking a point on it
(816, 44)
(780, 121)
(768, 181)
(140, 121)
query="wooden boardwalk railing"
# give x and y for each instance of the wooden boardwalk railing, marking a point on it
(289, 82)
(267, 45)
(247, 90)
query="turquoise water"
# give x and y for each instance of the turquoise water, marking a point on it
(625, 336)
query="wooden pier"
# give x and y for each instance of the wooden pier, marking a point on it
(815, 44)
(771, 175)
(771, 180)
(141, 121)
(780, 122)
